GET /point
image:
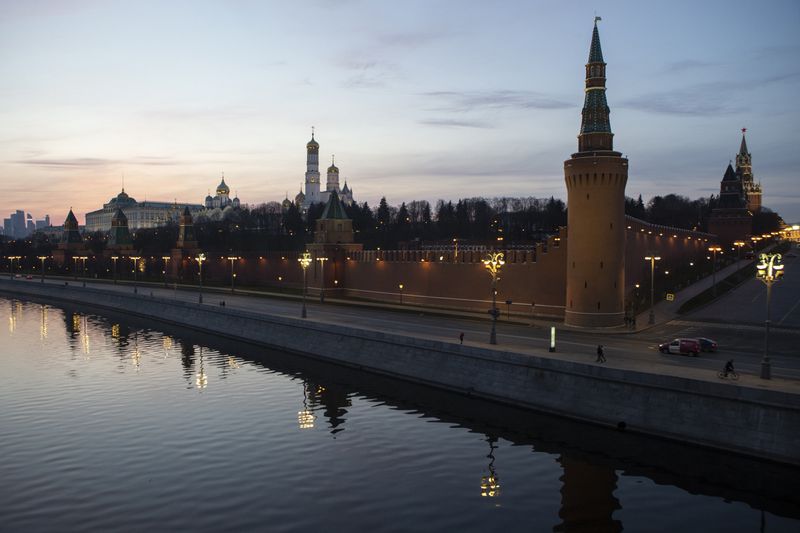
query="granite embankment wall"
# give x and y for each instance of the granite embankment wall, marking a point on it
(754, 422)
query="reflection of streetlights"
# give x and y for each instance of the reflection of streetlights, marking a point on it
(322, 285)
(493, 263)
(114, 259)
(11, 258)
(490, 485)
(304, 260)
(400, 286)
(200, 258)
(232, 259)
(166, 259)
(769, 270)
(135, 259)
(714, 250)
(652, 258)
(42, 258)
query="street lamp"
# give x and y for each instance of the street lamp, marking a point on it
(114, 259)
(738, 245)
(714, 250)
(455, 249)
(83, 258)
(400, 286)
(304, 260)
(11, 258)
(232, 259)
(493, 263)
(200, 258)
(42, 258)
(322, 285)
(75, 267)
(135, 259)
(166, 259)
(652, 259)
(769, 270)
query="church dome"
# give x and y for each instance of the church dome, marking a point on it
(223, 189)
(300, 198)
(122, 199)
(286, 204)
(312, 143)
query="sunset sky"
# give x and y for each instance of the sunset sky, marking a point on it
(419, 99)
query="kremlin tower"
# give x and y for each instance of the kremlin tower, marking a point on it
(596, 176)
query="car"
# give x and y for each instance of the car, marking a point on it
(681, 346)
(707, 345)
(28, 277)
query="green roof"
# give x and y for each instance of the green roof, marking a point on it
(334, 208)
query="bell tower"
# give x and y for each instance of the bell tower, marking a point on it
(595, 176)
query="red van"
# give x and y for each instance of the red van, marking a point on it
(681, 346)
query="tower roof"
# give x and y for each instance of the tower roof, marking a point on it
(71, 222)
(119, 218)
(595, 52)
(334, 209)
(730, 175)
(222, 188)
(333, 169)
(743, 147)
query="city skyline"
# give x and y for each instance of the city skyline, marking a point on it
(435, 100)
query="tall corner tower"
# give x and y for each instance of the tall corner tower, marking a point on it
(596, 176)
(312, 172)
(744, 170)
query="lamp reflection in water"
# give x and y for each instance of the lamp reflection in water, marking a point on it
(85, 336)
(201, 379)
(43, 323)
(305, 418)
(136, 355)
(490, 484)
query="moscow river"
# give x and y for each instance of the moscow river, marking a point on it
(112, 424)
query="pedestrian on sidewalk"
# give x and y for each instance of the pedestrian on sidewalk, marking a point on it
(601, 358)
(461, 338)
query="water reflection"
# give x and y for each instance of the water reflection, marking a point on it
(592, 460)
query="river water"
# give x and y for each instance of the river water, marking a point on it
(111, 424)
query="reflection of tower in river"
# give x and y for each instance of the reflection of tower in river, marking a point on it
(333, 398)
(490, 483)
(187, 360)
(587, 498)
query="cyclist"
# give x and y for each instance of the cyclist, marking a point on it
(728, 368)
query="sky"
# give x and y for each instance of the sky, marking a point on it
(418, 100)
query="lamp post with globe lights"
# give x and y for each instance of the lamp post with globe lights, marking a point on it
(305, 261)
(493, 263)
(322, 285)
(714, 250)
(135, 259)
(233, 259)
(200, 258)
(42, 259)
(652, 258)
(769, 270)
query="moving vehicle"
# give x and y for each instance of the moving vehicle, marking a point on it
(707, 345)
(681, 346)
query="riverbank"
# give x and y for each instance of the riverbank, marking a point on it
(748, 420)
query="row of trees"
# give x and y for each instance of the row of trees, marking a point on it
(491, 221)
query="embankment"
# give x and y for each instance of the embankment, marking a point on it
(750, 421)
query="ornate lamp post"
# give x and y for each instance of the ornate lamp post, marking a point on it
(738, 244)
(75, 267)
(304, 260)
(769, 270)
(12, 258)
(83, 259)
(200, 258)
(166, 259)
(114, 259)
(233, 259)
(322, 285)
(42, 258)
(135, 259)
(493, 263)
(652, 258)
(714, 250)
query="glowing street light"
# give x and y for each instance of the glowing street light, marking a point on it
(232, 259)
(493, 263)
(135, 259)
(400, 286)
(652, 259)
(322, 285)
(714, 250)
(200, 258)
(304, 260)
(83, 258)
(166, 259)
(42, 258)
(114, 258)
(769, 270)
(738, 245)
(11, 259)
(75, 260)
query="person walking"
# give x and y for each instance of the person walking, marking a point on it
(601, 358)
(461, 338)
